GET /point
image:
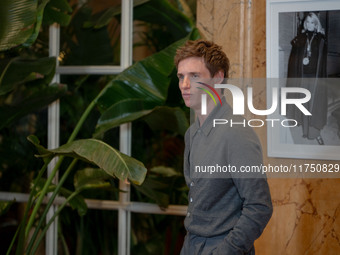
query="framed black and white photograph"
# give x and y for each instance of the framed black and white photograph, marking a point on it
(303, 64)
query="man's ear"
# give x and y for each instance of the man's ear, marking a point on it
(219, 76)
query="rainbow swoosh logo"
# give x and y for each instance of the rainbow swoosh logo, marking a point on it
(209, 93)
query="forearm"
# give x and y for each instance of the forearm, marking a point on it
(256, 212)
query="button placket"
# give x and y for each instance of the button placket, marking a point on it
(192, 184)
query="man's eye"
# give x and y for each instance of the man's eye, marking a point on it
(195, 76)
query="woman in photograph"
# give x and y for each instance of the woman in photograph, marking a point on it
(307, 62)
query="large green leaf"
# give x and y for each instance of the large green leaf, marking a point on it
(139, 89)
(158, 118)
(77, 202)
(104, 19)
(37, 25)
(57, 11)
(165, 171)
(91, 178)
(21, 70)
(122, 112)
(17, 19)
(105, 157)
(160, 185)
(41, 149)
(168, 118)
(28, 101)
(147, 79)
(21, 20)
(155, 190)
(87, 46)
(161, 12)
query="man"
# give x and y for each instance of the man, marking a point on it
(227, 212)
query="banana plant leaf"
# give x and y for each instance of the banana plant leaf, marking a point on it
(37, 25)
(159, 12)
(77, 203)
(4, 206)
(24, 88)
(158, 118)
(87, 46)
(58, 11)
(104, 19)
(31, 101)
(113, 162)
(20, 70)
(155, 190)
(122, 112)
(147, 81)
(21, 20)
(167, 118)
(165, 171)
(90, 177)
(16, 22)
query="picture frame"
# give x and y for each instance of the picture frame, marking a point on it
(286, 24)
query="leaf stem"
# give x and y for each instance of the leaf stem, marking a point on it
(42, 196)
(20, 245)
(84, 116)
(50, 202)
(58, 164)
(53, 218)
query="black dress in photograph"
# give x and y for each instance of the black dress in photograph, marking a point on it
(307, 62)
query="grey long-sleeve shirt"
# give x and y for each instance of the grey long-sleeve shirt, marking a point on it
(225, 203)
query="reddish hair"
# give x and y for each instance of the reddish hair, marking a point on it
(214, 58)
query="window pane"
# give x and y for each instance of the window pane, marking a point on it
(93, 35)
(93, 233)
(156, 234)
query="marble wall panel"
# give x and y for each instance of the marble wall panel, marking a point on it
(306, 218)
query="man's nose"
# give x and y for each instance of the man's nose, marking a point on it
(186, 83)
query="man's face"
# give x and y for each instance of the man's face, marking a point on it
(190, 71)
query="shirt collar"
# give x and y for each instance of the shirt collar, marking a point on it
(216, 113)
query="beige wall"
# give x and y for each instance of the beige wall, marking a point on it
(306, 218)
